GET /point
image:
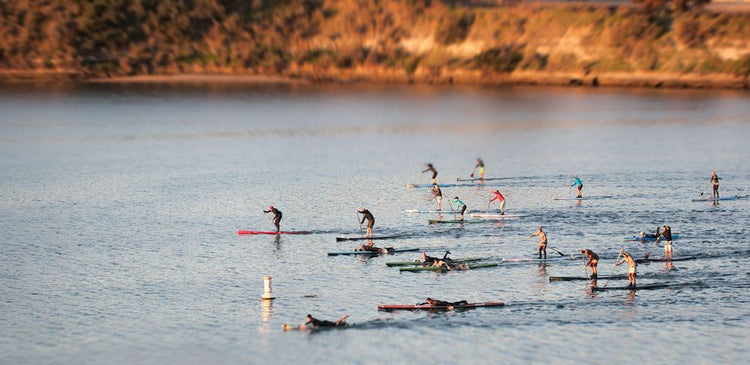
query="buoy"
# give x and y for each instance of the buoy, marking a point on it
(267, 289)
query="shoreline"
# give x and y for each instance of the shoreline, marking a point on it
(393, 76)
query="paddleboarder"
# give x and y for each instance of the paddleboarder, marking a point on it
(715, 181)
(627, 258)
(666, 233)
(442, 303)
(276, 217)
(542, 242)
(578, 184)
(593, 261)
(500, 198)
(370, 220)
(316, 323)
(460, 206)
(437, 194)
(434, 172)
(480, 165)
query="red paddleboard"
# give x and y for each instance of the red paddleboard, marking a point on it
(272, 232)
(389, 307)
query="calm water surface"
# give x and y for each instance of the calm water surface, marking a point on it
(119, 207)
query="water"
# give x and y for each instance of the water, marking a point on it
(119, 206)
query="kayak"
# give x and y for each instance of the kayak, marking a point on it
(359, 238)
(662, 259)
(390, 307)
(448, 221)
(273, 232)
(496, 216)
(419, 262)
(381, 251)
(712, 199)
(435, 268)
(639, 238)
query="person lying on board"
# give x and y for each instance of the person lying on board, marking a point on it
(370, 220)
(667, 234)
(276, 217)
(437, 194)
(441, 303)
(627, 258)
(316, 323)
(593, 261)
(369, 246)
(460, 206)
(500, 198)
(542, 242)
(434, 172)
(450, 265)
(644, 235)
(578, 184)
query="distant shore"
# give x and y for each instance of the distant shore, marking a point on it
(386, 76)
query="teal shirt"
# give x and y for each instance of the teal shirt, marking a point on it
(577, 182)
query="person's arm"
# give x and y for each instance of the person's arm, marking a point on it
(363, 218)
(266, 211)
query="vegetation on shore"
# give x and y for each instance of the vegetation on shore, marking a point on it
(384, 40)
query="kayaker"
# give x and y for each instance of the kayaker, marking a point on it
(370, 220)
(437, 194)
(460, 206)
(442, 303)
(593, 261)
(666, 233)
(276, 217)
(500, 198)
(715, 181)
(316, 323)
(542, 242)
(434, 172)
(626, 257)
(578, 184)
(480, 165)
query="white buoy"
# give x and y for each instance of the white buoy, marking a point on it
(267, 289)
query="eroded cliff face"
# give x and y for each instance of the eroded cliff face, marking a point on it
(386, 41)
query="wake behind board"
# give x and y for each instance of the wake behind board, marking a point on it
(443, 269)
(272, 232)
(391, 307)
(382, 251)
(360, 238)
(712, 199)
(636, 238)
(662, 259)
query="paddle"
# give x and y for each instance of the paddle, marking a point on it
(452, 210)
(585, 267)
(558, 252)
(613, 268)
(570, 186)
(488, 205)
(645, 257)
(265, 214)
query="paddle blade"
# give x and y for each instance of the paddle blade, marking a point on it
(472, 175)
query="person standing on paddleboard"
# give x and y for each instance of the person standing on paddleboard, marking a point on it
(715, 181)
(626, 257)
(370, 220)
(667, 234)
(500, 198)
(593, 261)
(437, 194)
(460, 206)
(480, 165)
(276, 217)
(434, 172)
(542, 242)
(578, 184)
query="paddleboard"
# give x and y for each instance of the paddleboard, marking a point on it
(536, 260)
(638, 287)
(584, 197)
(390, 307)
(387, 250)
(573, 278)
(360, 238)
(454, 221)
(662, 259)
(431, 268)
(272, 232)
(712, 199)
(496, 216)
(419, 262)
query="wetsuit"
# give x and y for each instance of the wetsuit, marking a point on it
(318, 323)
(434, 172)
(276, 217)
(579, 185)
(667, 234)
